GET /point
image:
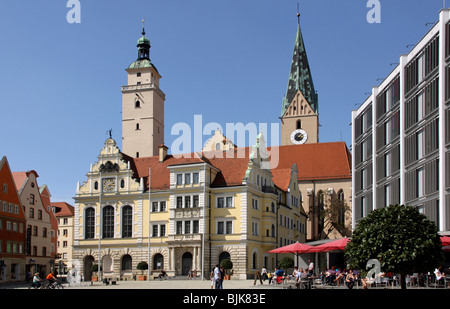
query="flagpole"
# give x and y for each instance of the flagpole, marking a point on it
(204, 224)
(149, 223)
(100, 229)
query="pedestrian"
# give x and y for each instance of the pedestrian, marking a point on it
(264, 273)
(217, 277)
(211, 276)
(222, 276)
(310, 267)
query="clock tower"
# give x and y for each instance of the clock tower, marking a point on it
(299, 111)
(142, 106)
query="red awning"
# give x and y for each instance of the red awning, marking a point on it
(296, 248)
(445, 240)
(338, 244)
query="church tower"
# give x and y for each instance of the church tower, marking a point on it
(142, 106)
(300, 111)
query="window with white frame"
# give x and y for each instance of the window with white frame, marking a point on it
(179, 179)
(187, 178)
(255, 228)
(195, 201)
(254, 203)
(187, 227)
(224, 227)
(225, 202)
(195, 178)
(186, 201)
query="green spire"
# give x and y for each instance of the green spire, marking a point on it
(143, 60)
(143, 45)
(300, 77)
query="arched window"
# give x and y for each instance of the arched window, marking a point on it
(298, 124)
(158, 261)
(341, 211)
(89, 223)
(127, 221)
(341, 195)
(108, 222)
(218, 147)
(224, 256)
(126, 262)
(137, 104)
(321, 207)
(254, 261)
(107, 264)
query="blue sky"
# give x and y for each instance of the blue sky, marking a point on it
(227, 61)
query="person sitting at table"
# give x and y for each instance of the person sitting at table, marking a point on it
(440, 276)
(279, 274)
(340, 275)
(350, 279)
(367, 281)
(303, 279)
(295, 272)
(269, 277)
(331, 275)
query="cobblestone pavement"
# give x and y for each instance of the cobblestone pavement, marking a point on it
(185, 284)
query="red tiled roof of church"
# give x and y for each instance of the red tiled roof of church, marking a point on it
(314, 161)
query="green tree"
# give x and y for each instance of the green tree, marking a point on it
(227, 265)
(286, 262)
(403, 240)
(142, 266)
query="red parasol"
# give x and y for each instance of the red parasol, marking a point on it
(445, 240)
(296, 248)
(338, 244)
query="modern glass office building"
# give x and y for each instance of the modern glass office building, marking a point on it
(401, 134)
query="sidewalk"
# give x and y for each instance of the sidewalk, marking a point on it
(188, 284)
(155, 284)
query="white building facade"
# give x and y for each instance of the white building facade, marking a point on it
(401, 134)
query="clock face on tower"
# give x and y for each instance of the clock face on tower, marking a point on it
(299, 137)
(109, 184)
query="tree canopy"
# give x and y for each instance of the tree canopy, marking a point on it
(402, 239)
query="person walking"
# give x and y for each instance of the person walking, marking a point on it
(222, 276)
(217, 277)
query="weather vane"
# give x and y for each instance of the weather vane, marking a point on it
(143, 26)
(110, 133)
(298, 12)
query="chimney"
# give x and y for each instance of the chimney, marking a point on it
(162, 152)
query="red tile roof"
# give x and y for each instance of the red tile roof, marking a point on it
(66, 210)
(314, 161)
(282, 178)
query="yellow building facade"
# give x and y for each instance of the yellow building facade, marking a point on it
(201, 208)
(186, 213)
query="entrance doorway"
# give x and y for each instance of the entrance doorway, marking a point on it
(186, 263)
(87, 267)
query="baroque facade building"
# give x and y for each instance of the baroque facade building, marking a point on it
(190, 211)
